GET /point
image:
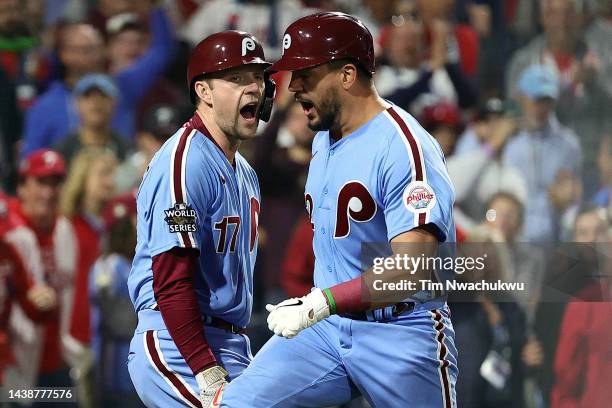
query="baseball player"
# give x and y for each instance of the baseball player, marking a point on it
(191, 281)
(375, 176)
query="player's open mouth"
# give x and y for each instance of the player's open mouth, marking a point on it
(248, 111)
(306, 106)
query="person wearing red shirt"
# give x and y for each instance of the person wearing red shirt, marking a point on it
(89, 186)
(583, 361)
(37, 300)
(46, 241)
(298, 262)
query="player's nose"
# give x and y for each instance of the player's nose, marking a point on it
(295, 84)
(253, 88)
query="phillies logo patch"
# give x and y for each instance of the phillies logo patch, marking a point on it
(419, 197)
(181, 218)
(247, 45)
(286, 42)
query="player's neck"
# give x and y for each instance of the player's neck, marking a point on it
(228, 146)
(357, 113)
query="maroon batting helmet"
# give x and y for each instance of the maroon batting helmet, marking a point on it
(223, 50)
(323, 37)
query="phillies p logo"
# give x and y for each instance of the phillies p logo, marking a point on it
(355, 203)
(247, 45)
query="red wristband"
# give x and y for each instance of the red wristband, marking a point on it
(350, 296)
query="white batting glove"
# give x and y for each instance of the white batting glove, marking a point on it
(212, 382)
(291, 316)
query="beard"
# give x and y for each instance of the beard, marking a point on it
(328, 112)
(234, 131)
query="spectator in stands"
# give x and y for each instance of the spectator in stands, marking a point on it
(546, 153)
(442, 120)
(504, 216)
(408, 77)
(81, 51)
(604, 163)
(113, 316)
(476, 168)
(10, 131)
(597, 38)
(439, 16)
(281, 157)
(89, 186)
(265, 20)
(573, 268)
(159, 124)
(490, 329)
(128, 40)
(36, 299)
(48, 242)
(96, 96)
(582, 357)
(584, 93)
(20, 54)
(298, 261)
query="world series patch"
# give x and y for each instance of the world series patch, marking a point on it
(181, 218)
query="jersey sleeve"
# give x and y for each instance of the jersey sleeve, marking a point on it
(175, 196)
(415, 188)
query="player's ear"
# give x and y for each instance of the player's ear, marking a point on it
(348, 74)
(204, 91)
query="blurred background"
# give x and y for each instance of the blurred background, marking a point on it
(517, 92)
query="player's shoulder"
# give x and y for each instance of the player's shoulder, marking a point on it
(320, 141)
(248, 170)
(187, 146)
(404, 134)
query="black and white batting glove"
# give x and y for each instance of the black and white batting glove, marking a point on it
(291, 316)
(212, 382)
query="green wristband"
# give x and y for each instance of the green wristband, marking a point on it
(330, 300)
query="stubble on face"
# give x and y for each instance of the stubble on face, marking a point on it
(328, 112)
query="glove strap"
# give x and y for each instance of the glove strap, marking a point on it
(211, 376)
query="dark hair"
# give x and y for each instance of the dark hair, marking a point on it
(588, 207)
(121, 238)
(193, 96)
(362, 74)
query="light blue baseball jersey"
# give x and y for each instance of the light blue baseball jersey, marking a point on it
(386, 178)
(192, 197)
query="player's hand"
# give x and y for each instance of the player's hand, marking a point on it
(291, 316)
(42, 296)
(212, 382)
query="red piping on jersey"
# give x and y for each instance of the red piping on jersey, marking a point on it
(196, 123)
(439, 327)
(165, 371)
(418, 167)
(177, 179)
(418, 162)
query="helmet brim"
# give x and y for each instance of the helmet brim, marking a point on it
(296, 63)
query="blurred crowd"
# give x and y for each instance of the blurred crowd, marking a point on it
(517, 92)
